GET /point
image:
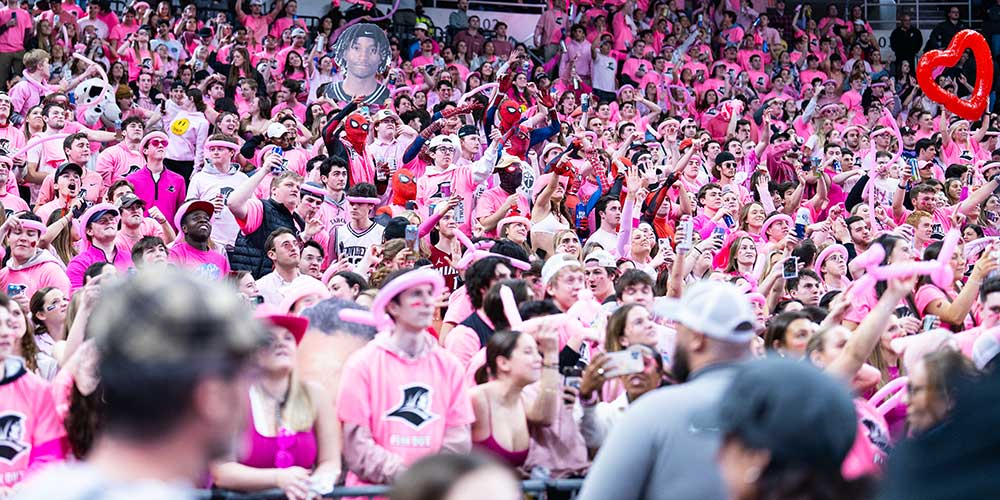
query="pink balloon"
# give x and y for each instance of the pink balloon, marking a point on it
(465, 240)
(871, 257)
(104, 77)
(477, 90)
(36, 141)
(510, 307)
(887, 390)
(949, 246)
(587, 309)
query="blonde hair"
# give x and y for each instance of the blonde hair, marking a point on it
(34, 58)
(299, 411)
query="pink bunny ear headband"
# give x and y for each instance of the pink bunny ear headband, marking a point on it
(478, 251)
(939, 269)
(377, 316)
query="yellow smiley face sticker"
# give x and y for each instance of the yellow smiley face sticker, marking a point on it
(179, 126)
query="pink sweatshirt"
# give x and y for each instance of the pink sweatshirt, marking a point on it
(40, 271)
(118, 161)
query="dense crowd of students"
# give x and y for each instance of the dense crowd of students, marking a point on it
(577, 258)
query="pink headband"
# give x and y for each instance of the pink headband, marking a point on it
(757, 297)
(359, 200)
(377, 317)
(878, 85)
(313, 190)
(33, 224)
(222, 144)
(826, 253)
(150, 136)
(772, 220)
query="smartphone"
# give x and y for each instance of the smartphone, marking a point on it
(446, 190)
(929, 321)
(790, 268)
(412, 240)
(802, 220)
(572, 375)
(663, 243)
(585, 102)
(624, 362)
(719, 233)
(837, 167)
(728, 219)
(14, 290)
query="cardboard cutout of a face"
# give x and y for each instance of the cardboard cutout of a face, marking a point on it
(362, 53)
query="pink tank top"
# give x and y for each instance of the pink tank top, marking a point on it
(285, 450)
(513, 458)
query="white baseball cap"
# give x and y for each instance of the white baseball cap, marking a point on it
(443, 139)
(717, 309)
(557, 263)
(276, 130)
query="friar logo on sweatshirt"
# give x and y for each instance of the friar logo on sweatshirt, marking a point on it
(414, 407)
(12, 444)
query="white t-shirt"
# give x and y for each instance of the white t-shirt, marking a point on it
(604, 72)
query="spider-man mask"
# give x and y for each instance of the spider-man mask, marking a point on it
(510, 115)
(404, 187)
(356, 127)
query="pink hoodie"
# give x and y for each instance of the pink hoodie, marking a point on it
(40, 271)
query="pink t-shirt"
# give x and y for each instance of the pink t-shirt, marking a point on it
(12, 40)
(407, 404)
(459, 307)
(929, 293)
(32, 429)
(117, 162)
(148, 227)
(208, 264)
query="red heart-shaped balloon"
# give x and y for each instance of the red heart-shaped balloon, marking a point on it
(973, 107)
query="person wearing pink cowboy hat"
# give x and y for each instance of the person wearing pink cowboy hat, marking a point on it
(402, 396)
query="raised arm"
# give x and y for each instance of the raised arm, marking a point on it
(868, 334)
(242, 195)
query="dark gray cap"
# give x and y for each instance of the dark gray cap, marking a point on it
(798, 413)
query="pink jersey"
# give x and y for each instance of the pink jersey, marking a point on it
(407, 404)
(30, 430)
(209, 264)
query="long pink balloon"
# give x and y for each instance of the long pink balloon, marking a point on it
(510, 307)
(889, 388)
(687, 95)
(873, 175)
(36, 141)
(104, 77)
(477, 90)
